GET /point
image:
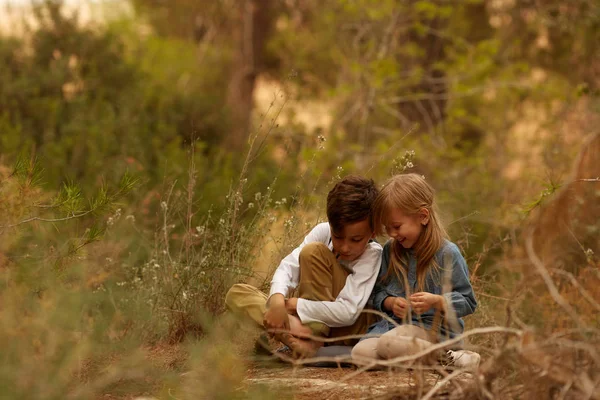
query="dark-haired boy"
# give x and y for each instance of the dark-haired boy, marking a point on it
(333, 271)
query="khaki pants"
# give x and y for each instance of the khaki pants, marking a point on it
(321, 279)
(404, 340)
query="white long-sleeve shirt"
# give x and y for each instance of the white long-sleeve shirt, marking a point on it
(352, 298)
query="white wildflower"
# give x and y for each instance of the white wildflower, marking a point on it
(589, 253)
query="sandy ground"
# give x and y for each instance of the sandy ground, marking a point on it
(309, 383)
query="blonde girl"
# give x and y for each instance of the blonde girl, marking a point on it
(423, 284)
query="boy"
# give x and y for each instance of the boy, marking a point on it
(334, 271)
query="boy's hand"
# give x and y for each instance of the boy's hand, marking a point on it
(423, 301)
(276, 316)
(291, 305)
(398, 305)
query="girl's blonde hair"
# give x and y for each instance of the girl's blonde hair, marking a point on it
(410, 193)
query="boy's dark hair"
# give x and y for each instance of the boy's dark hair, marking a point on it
(351, 200)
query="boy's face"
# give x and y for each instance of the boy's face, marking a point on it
(351, 241)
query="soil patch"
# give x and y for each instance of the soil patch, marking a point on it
(308, 383)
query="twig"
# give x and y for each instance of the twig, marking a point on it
(397, 360)
(47, 219)
(465, 217)
(581, 289)
(541, 269)
(441, 384)
(492, 296)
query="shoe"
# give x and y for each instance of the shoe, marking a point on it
(262, 346)
(463, 359)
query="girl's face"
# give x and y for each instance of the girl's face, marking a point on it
(404, 228)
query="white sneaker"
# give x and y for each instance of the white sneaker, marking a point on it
(463, 359)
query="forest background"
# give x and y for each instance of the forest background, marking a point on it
(154, 153)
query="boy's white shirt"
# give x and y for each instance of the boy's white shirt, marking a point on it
(352, 298)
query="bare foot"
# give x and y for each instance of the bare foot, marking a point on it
(299, 330)
(303, 348)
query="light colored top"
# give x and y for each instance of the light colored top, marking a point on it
(352, 298)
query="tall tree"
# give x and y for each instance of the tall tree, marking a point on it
(238, 29)
(250, 33)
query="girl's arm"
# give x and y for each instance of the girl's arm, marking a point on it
(455, 276)
(380, 293)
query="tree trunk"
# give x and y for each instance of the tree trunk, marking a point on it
(251, 34)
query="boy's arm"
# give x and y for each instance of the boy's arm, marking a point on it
(285, 278)
(353, 297)
(287, 273)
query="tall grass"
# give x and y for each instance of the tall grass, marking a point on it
(94, 303)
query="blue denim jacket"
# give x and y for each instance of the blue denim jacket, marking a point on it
(460, 297)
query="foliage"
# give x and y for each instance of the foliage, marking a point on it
(83, 98)
(141, 218)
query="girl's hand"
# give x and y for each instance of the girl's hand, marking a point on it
(398, 305)
(424, 301)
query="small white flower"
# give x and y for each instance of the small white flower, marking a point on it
(130, 218)
(163, 205)
(250, 205)
(409, 165)
(589, 253)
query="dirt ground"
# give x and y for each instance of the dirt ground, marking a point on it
(304, 382)
(310, 383)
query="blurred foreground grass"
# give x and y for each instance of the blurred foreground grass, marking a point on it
(94, 304)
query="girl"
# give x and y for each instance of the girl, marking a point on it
(423, 283)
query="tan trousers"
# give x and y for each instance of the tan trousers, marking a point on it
(403, 340)
(321, 279)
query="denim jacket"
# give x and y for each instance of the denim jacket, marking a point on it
(460, 297)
